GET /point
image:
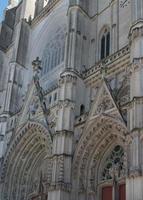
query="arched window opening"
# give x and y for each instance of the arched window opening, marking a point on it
(105, 44)
(112, 174)
(82, 109)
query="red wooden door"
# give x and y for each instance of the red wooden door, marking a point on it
(107, 193)
(122, 192)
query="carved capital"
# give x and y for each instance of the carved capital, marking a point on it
(67, 78)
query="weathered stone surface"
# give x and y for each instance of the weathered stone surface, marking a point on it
(74, 125)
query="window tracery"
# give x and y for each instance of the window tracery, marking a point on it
(116, 158)
(54, 52)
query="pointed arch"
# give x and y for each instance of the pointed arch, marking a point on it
(30, 147)
(105, 42)
(100, 135)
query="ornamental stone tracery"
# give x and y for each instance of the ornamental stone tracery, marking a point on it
(116, 157)
(53, 54)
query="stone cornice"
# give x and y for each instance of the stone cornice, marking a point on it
(46, 11)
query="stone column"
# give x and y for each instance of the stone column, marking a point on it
(135, 179)
(63, 139)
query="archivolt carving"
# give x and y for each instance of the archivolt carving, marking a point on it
(30, 148)
(98, 136)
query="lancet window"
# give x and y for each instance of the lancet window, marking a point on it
(105, 44)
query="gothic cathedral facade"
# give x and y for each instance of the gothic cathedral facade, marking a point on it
(71, 100)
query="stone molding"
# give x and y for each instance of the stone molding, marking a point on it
(60, 155)
(67, 78)
(63, 132)
(20, 133)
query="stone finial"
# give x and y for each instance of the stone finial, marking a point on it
(36, 65)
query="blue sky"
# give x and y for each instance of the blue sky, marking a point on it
(3, 4)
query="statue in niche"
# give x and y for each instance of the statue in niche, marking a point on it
(34, 187)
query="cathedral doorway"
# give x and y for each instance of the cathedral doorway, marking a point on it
(28, 170)
(100, 161)
(113, 173)
(107, 192)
